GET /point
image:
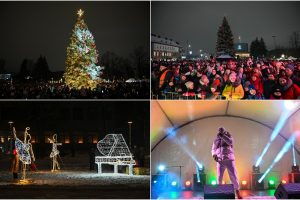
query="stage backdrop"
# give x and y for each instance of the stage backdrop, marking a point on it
(250, 123)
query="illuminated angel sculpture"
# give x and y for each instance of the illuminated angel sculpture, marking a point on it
(24, 150)
(54, 153)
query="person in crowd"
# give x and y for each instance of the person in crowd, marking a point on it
(288, 89)
(233, 89)
(212, 76)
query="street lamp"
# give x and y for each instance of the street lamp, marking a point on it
(274, 40)
(129, 125)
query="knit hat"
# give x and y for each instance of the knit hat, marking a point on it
(189, 84)
(290, 66)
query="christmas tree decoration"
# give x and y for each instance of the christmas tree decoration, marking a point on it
(24, 151)
(54, 153)
(114, 152)
(225, 43)
(82, 57)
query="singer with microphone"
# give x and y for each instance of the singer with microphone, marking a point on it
(223, 154)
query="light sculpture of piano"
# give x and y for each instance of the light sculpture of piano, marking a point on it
(114, 151)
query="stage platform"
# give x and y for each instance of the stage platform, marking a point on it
(246, 194)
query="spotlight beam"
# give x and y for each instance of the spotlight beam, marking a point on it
(281, 122)
(294, 156)
(284, 149)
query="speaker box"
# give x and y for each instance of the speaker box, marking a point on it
(199, 184)
(294, 177)
(219, 191)
(288, 191)
(255, 185)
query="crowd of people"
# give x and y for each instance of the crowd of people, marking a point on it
(226, 79)
(45, 90)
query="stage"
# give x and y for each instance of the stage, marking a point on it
(246, 194)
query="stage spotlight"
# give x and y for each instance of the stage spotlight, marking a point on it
(244, 185)
(223, 183)
(295, 169)
(256, 185)
(188, 185)
(161, 168)
(255, 169)
(289, 105)
(174, 183)
(214, 182)
(283, 181)
(271, 184)
(294, 176)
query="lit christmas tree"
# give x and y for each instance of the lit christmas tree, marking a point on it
(82, 57)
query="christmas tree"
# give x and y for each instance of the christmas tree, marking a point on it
(82, 57)
(225, 38)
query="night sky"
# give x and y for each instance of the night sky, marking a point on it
(198, 22)
(84, 117)
(31, 29)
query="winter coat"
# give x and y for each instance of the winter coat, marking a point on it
(290, 90)
(223, 147)
(234, 90)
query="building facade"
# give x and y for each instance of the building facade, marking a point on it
(241, 50)
(164, 48)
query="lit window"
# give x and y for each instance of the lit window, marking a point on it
(1, 139)
(67, 139)
(95, 139)
(80, 139)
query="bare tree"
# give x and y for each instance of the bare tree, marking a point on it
(295, 40)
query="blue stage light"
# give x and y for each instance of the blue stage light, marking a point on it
(161, 168)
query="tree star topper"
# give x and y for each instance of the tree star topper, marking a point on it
(80, 12)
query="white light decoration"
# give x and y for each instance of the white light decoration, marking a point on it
(114, 152)
(24, 150)
(54, 153)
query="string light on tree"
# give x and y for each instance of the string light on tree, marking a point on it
(82, 57)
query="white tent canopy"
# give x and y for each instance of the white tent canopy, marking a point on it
(194, 125)
(224, 56)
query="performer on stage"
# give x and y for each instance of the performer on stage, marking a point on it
(222, 152)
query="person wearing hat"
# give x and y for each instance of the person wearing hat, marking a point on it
(289, 70)
(165, 78)
(257, 85)
(233, 89)
(288, 89)
(223, 154)
(268, 85)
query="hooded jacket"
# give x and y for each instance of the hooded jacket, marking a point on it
(235, 90)
(223, 147)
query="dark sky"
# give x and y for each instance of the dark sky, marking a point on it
(29, 29)
(83, 117)
(198, 22)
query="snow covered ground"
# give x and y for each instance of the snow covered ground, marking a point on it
(75, 184)
(72, 178)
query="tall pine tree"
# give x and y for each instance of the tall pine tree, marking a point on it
(82, 57)
(258, 48)
(225, 38)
